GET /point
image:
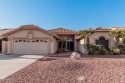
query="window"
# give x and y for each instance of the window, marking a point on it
(41, 40)
(16, 41)
(28, 41)
(20, 40)
(24, 40)
(37, 40)
(45, 41)
(33, 41)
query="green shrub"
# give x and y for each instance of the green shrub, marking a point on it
(5, 39)
(102, 51)
(116, 51)
(92, 49)
(122, 48)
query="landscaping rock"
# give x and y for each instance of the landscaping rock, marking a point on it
(75, 55)
(89, 69)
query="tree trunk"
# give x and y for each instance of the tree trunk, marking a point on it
(116, 41)
(88, 39)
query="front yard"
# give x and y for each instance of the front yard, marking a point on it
(103, 69)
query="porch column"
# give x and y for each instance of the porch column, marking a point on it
(75, 45)
(9, 47)
(4, 47)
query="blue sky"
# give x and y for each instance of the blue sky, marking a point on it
(72, 14)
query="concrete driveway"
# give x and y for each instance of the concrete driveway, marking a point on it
(10, 64)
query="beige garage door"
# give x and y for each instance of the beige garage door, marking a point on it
(25, 46)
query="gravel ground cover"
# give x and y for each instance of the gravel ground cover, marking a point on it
(64, 70)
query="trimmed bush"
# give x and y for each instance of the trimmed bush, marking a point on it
(92, 49)
(5, 39)
(116, 51)
(122, 48)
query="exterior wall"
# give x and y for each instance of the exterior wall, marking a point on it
(92, 39)
(53, 46)
(76, 43)
(24, 34)
(81, 48)
(95, 36)
(4, 47)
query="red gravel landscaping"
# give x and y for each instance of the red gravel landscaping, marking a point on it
(65, 70)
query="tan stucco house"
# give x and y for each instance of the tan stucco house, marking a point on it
(31, 39)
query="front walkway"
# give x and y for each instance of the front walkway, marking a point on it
(10, 64)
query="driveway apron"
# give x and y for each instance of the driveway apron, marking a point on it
(10, 64)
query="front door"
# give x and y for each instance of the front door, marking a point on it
(70, 45)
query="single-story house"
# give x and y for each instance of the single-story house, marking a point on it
(31, 39)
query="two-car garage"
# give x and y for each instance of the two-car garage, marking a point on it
(30, 39)
(30, 46)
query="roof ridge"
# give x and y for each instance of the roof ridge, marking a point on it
(63, 28)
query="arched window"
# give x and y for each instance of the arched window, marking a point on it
(101, 38)
(103, 42)
(69, 39)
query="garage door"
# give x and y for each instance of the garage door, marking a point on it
(25, 46)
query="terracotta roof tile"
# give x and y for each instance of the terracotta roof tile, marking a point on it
(3, 31)
(32, 27)
(101, 28)
(118, 28)
(63, 31)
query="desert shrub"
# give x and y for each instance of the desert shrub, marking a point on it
(116, 51)
(122, 48)
(4, 39)
(102, 51)
(92, 49)
(123, 40)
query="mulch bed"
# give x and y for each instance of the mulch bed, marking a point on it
(65, 70)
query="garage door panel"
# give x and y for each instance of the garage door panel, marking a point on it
(30, 46)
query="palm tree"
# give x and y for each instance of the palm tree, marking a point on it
(116, 35)
(86, 33)
(122, 35)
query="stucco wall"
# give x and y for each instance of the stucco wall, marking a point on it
(53, 43)
(4, 47)
(24, 34)
(81, 44)
(92, 39)
(95, 36)
(36, 34)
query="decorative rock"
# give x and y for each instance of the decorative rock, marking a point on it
(75, 55)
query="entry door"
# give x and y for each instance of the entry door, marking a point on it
(23, 46)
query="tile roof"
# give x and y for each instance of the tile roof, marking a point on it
(63, 31)
(30, 27)
(118, 28)
(101, 28)
(3, 31)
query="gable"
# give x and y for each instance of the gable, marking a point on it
(27, 33)
(21, 31)
(64, 31)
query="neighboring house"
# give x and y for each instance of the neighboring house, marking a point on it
(31, 39)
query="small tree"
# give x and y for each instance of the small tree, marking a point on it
(86, 33)
(4, 39)
(116, 35)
